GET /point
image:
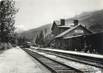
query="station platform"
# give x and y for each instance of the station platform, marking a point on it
(98, 56)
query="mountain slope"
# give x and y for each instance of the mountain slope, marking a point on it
(92, 20)
(32, 34)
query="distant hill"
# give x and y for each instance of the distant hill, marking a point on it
(32, 34)
(92, 20)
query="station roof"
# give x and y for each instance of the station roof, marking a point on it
(71, 29)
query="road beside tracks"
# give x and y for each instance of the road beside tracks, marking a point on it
(15, 60)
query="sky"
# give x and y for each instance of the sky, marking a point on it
(35, 13)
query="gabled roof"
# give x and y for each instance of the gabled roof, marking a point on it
(53, 26)
(57, 22)
(69, 30)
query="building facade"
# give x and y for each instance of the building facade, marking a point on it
(70, 37)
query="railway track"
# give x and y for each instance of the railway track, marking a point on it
(82, 59)
(53, 65)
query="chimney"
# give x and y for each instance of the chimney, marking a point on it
(62, 22)
(75, 22)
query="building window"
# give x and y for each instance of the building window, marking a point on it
(79, 31)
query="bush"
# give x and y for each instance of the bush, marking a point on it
(4, 46)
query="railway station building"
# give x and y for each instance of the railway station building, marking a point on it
(70, 37)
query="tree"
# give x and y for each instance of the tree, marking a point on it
(22, 40)
(7, 21)
(40, 39)
(37, 39)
